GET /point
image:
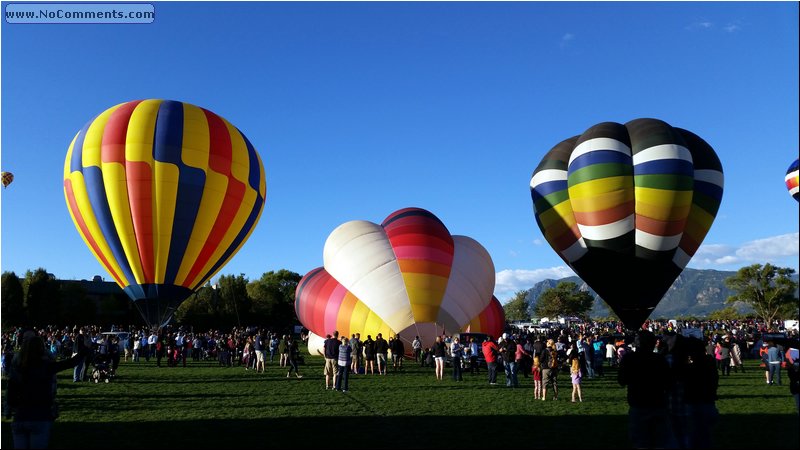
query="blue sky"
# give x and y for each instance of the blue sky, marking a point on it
(360, 109)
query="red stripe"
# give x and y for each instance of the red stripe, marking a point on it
(139, 176)
(115, 132)
(219, 160)
(73, 206)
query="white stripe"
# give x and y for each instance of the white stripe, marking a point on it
(548, 175)
(791, 175)
(358, 255)
(607, 231)
(657, 243)
(794, 190)
(599, 144)
(575, 251)
(681, 258)
(664, 151)
(710, 176)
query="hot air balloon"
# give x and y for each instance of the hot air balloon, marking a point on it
(492, 320)
(408, 276)
(164, 194)
(8, 178)
(791, 180)
(627, 206)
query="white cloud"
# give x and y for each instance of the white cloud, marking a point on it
(509, 281)
(732, 28)
(566, 39)
(700, 25)
(538, 242)
(779, 250)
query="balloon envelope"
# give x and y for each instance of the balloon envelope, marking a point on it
(163, 193)
(627, 206)
(8, 178)
(492, 320)
(792, 180)
(407, 276)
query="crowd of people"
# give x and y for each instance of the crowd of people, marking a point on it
(671, 374)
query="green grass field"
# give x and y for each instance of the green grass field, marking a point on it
(206, 406)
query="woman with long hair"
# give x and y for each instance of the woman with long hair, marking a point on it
(32, 392)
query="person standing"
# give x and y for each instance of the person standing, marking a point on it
(439, 355)
(331, 350)
(32, 391)
(355, 352)
(575, 374)
(416, 346)
(292, 352)
(398, 351)
(381, 350)
(646, 374)
(369, 356)
(774, 360)
(700, 381)
(536, 372)
(457, 352)
(490, 352)
(549, 361)
(343, 365)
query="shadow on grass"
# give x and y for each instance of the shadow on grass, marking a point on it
(406, 432)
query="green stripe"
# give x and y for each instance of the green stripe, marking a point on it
(598, 171)
(668, 182)
(548, 201)
(709, 204)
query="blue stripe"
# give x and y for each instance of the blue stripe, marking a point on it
(545, 189)
(664, 166)
(76, 164)
(167, 148)
(709, 189)
(95, 188)
(248, 224)
(599, 157)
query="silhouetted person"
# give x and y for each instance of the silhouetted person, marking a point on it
(32, 392)
(646, 374)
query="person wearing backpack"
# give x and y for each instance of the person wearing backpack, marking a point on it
(549, 362)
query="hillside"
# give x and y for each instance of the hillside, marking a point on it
(694, 293)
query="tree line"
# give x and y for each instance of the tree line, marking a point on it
(768, 289)
(39, 298)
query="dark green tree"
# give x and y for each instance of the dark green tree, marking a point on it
(233, 302)
(768, 289)
(197, 310)
(42, 298)
(566, 299)
(517, 307)
(729, 313)
(273, 298)
(76, 307)
(13, 303)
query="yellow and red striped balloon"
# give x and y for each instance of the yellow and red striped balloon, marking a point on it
(163, 193)
(627, 206)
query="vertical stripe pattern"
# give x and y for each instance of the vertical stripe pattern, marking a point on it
(163, 193)
(407, 276)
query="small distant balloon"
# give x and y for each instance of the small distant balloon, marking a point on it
(8, 177)
(791, 180)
